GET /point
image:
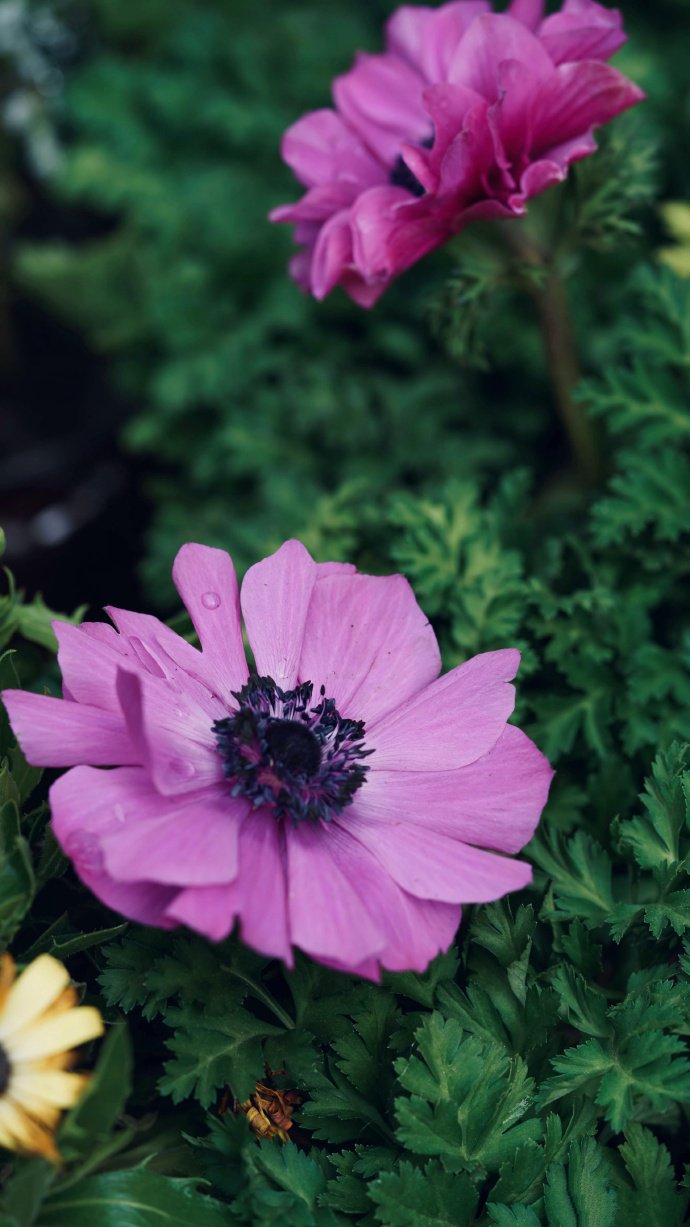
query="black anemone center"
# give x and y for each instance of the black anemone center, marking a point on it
(293, 747)
(5, 1071)
(282, 751)
(401, 175)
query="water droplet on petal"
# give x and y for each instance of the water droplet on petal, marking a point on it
(210, 600)
(118, 811)
(182, 768)
(84, 849)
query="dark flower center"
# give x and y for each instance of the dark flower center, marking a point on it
(401, 175)
(302, 761)
(5, 1071)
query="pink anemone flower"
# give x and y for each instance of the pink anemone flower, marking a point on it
(343, 798)
(465, 116)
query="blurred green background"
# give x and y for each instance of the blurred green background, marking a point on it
(163, 380)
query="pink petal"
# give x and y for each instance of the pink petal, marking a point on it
(89, 657)
(257, 896)
(529, 12)
(582, 30)
(416, 930)
(381, 99)
(328, 917)
(185, 841)
(553, 168)
(78, 828)
(432, 866)
(332, 254)
(158, 651)
(275, 599)
(206, 581)
(462, 152)
(495, 802)
(325, 569)
(173, 737)
(489, 42)
(320, 148)
(428, 38)
(576, 98)
(58, 733)
(392, 230)
(142, 836)
(368, 642)
(453, 722)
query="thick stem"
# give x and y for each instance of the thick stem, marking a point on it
(564, 373)
(560, 349)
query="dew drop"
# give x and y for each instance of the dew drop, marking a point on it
(119, 813)
(84, 849)
(210, 600)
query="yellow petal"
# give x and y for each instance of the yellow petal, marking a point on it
(7, 970)
(31, 1084)
(57, 1034)
(24, 1134)
(32, 993)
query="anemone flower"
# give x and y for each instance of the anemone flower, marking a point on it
(466, 115)
(342, 798)
(40, 1025)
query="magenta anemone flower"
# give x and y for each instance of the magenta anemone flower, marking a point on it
(466, 115)
(343, 798)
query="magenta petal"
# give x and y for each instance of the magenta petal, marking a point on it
(576, 98)
(320, 148)
(428, 38)
(495, 802)
(332, 254)
(582, 30)
(391, 230)
(257, 896)
(89, 657)
(173, 737)
(529, 12)
(58, 733)
(490, 42)
(381, 99)
(416, 930)
(405, 31)
(368, 642)
(190, 841)
(454, 721)
(328, 917)
(79, 824)
(205, 579)
(275, 599)
(432, 866)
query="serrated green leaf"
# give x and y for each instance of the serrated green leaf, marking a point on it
(513, 1216)
(412, 1197)
(653, 1200)
(214, 1052)
(466, 1099)
(581, 1192)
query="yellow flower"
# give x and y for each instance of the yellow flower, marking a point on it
(40, 1025)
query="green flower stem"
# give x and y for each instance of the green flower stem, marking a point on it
(262, 994)
(548, 290)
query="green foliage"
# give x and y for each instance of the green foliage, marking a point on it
(538, 1074)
